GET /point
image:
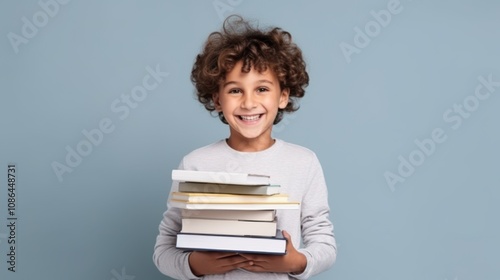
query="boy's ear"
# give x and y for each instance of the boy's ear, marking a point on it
(215, 99)
(285, 94)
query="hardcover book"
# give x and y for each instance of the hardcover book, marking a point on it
(228, 227)
(228, 243)
(290, 205)
(242, 215)
(219, 177)
(228, 198)
(228, 188)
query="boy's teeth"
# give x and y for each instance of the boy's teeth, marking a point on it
(250, 118)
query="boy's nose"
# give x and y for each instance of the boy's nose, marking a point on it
(248, 101)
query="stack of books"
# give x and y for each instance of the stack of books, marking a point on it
(232, 212)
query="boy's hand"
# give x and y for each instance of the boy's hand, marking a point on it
(292, 262)
(204, 263)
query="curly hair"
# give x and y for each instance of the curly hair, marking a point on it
(239, 41)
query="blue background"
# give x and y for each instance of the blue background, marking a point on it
(101, 220)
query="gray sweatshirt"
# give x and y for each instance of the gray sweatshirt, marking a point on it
(298, 172)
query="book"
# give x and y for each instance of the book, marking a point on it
(228, 227)
(228, 188)
(289, 205)
(228, 198)
(219, 177)
(243, 215)
(275, 245)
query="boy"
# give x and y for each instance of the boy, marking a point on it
(250, 77)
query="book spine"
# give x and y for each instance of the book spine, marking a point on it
(241, 215)
(232, 206)
(228, 227)
(229, 198)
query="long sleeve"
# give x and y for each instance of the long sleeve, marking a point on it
(317, 230)
(168, 259)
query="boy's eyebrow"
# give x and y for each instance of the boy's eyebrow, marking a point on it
(259, 81)
(265, 81)
(228, 83)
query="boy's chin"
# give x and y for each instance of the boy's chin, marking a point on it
(245, 135)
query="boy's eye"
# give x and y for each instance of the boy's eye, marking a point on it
(235, 90)
(262, 89)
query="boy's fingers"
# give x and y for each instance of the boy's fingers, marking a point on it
(226, 255)
(288, 238)
(236, 259)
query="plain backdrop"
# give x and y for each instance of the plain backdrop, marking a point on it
(405, 90)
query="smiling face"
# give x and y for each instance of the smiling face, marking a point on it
(250, 102)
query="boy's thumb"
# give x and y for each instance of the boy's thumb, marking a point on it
(286, 235)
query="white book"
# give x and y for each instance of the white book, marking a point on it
(228, 188)
(243, 215)
(228, 227)
(219, 177)
(228, 198)
(234, 206)
(227, 243)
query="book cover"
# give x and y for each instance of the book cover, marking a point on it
(227, 243)
(219, 177)
(228, 227)
(228, 198)
(242, 215)
(228, 188)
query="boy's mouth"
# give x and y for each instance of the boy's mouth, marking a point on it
(250, 118)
